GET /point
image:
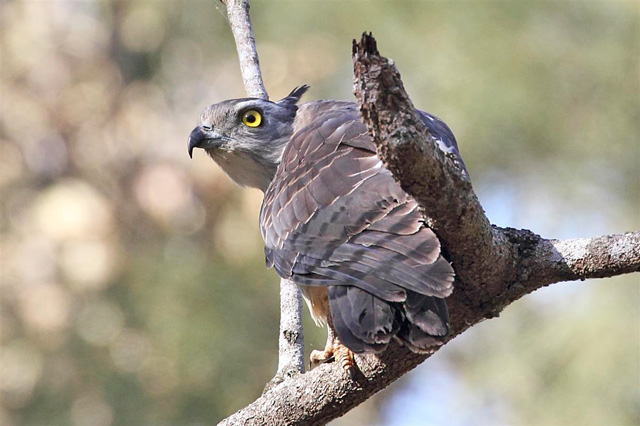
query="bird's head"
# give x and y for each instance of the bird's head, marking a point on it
(246, 137)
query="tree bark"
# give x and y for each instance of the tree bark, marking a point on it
(238, 14)
(494, 266)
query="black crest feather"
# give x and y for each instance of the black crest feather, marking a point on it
(295, 95)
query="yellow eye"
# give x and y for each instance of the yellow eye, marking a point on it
(252, 118)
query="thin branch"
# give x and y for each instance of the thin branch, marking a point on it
(518, 262)
(291, 336)
(583, 258)
(550, 261)
(238, 14)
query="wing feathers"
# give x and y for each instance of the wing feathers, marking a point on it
(334, 216)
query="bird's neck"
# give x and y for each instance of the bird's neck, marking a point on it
(245, 170)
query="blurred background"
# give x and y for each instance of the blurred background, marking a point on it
(133, 287)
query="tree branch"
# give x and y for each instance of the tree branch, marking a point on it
(583, 258)
(238, 14)
(541, 262)
(434, 179)
(518, 261)
(291, 335)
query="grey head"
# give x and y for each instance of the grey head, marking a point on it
(246, 137)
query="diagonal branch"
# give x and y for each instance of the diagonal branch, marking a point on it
(517, 262)
(407, 148)
(291, 336)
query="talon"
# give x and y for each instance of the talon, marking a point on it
(344, 357)
(335, 350)
(319, 357)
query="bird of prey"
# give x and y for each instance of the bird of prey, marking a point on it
(335, 221)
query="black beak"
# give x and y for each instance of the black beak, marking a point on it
(203, 137)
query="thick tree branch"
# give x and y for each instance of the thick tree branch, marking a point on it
(517, 262)
(291, 336)
(441, 188)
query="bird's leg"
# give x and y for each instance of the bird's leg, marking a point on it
(334, 350)
(318, 357)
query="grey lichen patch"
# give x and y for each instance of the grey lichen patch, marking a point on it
(573, 250)
(622, 247)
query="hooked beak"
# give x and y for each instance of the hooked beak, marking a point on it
(203, 137)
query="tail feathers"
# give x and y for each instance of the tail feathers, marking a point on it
(417, 340)
(428, 313)
(426, 323)
(364, 322)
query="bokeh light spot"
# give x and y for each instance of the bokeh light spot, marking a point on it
(129, 350)
(99, 322)
(143, 28)
(20, 370)
(72, 210)
(91, 409)
(88, 264)
(45, 307)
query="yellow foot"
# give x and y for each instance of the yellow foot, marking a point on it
(344, 357)
(335, 350)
